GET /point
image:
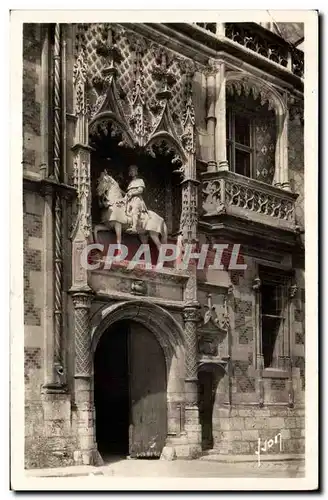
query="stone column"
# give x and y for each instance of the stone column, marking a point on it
(192, 426)
(220, 29)
(188, 229)
(291, 296)
(86, 452)
(220, 113)
(211, 119)
(55, 376)
(44, 109)
(282, 174)
(258, 339)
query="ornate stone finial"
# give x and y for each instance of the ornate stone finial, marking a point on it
(211, 68)
(108, 49)
(162, 73)
(256, 284)
(209, 310)
(225, 323)
(292, 291)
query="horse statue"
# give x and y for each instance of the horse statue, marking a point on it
(115, 212)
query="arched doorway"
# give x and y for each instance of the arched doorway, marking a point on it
(130, 392)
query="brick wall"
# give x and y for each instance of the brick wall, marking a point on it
(31, 97)
(32, 224)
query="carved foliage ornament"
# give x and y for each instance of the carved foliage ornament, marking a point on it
(80, 82)
(81, 181)
(248, 87)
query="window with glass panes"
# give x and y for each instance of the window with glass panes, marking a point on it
(240, 143)
(274, 286)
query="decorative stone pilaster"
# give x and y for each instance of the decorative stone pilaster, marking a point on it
(188, 230)
(220, 113)
(211, 118)
(191, 315)
(291, 296)
(86, 452)
(55, 374)
(258, 340)
(282, 180)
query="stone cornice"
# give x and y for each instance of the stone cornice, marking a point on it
(194, 42)
(48, 186)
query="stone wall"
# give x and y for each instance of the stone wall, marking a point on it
(31, 97)
(238, 428)
(238, 420)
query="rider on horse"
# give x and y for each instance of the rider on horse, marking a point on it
(135, 205)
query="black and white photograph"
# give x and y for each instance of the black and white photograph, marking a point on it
(165, 195)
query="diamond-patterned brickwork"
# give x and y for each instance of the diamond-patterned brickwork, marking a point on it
(32, 262)
(300, 337)
(265, 139)
(244, 383)
(296, 166)
(125, 68)
(243, 321)
(32, 360)
(278, 384)
(299, 362)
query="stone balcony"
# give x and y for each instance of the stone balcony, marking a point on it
(258, 40)
(230, 194)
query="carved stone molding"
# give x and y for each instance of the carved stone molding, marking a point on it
(191, 312)
(256, 284)
(238, 82)
(138, 287)
(82, 299)
(292, 291)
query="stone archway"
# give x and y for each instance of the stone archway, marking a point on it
(147, 339)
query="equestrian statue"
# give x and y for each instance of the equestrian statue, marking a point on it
(127, 212)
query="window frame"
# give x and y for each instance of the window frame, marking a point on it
(231, 143)
(274, 280)
(282, 346)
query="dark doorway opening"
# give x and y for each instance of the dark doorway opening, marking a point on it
(206, 402)
(111, 391)
(130, 392)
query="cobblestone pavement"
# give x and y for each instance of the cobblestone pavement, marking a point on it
(181, 468)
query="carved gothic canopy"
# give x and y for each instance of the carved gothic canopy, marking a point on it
(143, 89)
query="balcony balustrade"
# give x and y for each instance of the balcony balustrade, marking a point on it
(232, 194)
(259, 40)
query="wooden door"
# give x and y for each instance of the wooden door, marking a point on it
(147, 375)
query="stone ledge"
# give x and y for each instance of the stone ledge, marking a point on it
(212, 455)
(70, 471)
